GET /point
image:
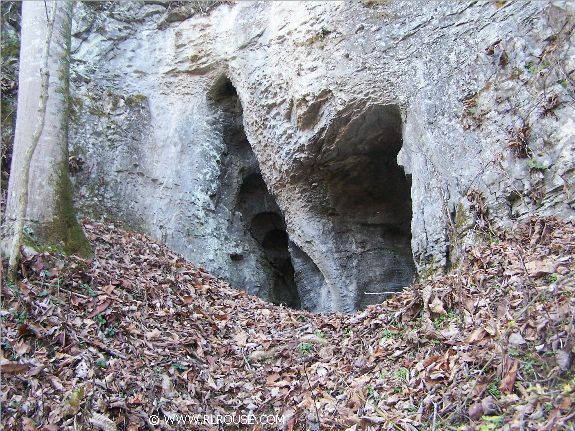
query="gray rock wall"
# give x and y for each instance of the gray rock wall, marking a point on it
(370, 124)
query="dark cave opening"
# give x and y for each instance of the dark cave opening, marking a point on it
(368, 199)
(269, 230)
(243, 191)
(356, 185)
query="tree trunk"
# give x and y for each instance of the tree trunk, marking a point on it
(39, 193)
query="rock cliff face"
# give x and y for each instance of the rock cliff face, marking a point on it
(319, 154)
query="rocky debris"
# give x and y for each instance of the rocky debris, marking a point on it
(136, 334)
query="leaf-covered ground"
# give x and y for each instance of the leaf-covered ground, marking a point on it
(136, 336)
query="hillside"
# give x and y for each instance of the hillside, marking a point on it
(137, 338)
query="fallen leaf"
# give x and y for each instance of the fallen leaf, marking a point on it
(28, 424)
(13, 368)
(241, 338)
(477, 335)
(507, 382)
(73, 401)
(167, 386)
(515, 339)
(475, 411)
(326, 353)
(436, 306)
(136, 399)
(102, 422)
(450, 333)
(540, 267)
(38, 264)
(108, 289)
(82, 369)
(564, 359)
(272, 378)
(489, 405)
(100, 308)
(21, 348)
(154, 334)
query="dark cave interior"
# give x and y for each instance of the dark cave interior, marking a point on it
(247, 193)
(367, 197)
(363, 192)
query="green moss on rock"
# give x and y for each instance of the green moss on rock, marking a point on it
(461, 217)
(429, 268)
(64, 228)
(136, 99)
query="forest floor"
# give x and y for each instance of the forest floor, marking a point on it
(137, 338)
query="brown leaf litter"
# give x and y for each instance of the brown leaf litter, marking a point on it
(107, 343)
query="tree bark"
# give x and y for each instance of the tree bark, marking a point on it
(29, 152)
(39, 185)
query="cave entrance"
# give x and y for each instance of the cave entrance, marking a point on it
(264, 267)
(356, 185)
(368, 200)
(268, 229)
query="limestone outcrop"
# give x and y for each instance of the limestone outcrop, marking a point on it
(320, 154)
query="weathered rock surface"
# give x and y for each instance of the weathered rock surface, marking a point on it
(270, 142)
